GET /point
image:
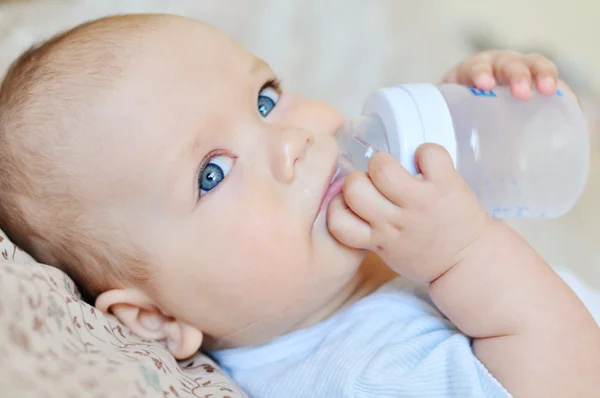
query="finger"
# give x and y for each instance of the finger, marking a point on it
(435, 163)
(367, 202)
(544, 72)
(393, 181)
(512, 70)
(498, 59)
(346, 226)
(477, 71)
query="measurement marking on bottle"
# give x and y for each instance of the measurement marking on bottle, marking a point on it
(499, 212)
(522, 211)
(482, 93)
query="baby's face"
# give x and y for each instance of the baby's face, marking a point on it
(221, 177)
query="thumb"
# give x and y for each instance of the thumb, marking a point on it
(434, 162)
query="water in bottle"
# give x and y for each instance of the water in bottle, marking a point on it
(521, 158)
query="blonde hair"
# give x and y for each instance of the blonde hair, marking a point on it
(40, 210)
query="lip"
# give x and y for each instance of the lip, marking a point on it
(334, 189)
(333, 186)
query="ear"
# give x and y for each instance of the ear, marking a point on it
(139, 313)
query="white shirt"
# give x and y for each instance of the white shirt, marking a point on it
(392, 343)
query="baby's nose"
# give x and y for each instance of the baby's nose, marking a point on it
(314, 115)
(291, 145)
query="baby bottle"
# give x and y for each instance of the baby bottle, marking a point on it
(521, 158)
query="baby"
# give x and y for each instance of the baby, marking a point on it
(161, 166)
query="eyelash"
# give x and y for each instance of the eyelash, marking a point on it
(274, 83)
(205, 162)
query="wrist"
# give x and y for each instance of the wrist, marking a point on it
(483, 231)
(486, 232)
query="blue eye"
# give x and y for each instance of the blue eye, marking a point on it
(214, 173)
(267, 99)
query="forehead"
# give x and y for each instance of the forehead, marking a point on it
(187, 61)
(193, 46)
(182, 87)
(181, 69)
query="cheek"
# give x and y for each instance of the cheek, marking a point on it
(249, 256)
(268, 249)
(276, 265)
(248, 268)
(263, 247)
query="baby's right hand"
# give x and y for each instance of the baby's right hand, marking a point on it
(419, 227)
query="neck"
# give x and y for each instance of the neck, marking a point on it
(372, 274)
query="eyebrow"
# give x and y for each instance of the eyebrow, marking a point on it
(258, 65)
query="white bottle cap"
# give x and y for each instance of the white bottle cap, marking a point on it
(413, 114)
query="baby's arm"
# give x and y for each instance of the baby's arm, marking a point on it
(504, 295)
(529, 328)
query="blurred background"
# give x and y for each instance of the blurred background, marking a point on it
(339, 51)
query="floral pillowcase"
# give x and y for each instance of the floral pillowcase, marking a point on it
(52, 344)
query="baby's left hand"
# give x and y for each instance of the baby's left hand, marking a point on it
(519, 71)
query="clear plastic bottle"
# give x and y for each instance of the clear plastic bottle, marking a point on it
(521, 158)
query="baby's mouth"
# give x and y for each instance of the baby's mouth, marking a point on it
(335, 188)
(336, 185)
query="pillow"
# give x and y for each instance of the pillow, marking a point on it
(52, 344)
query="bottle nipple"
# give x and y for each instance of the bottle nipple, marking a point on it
(358, 140)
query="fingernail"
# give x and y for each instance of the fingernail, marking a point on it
(548, 81)
(485, 80)
(521, 89)
(522, 86)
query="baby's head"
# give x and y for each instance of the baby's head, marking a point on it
(158, 163)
